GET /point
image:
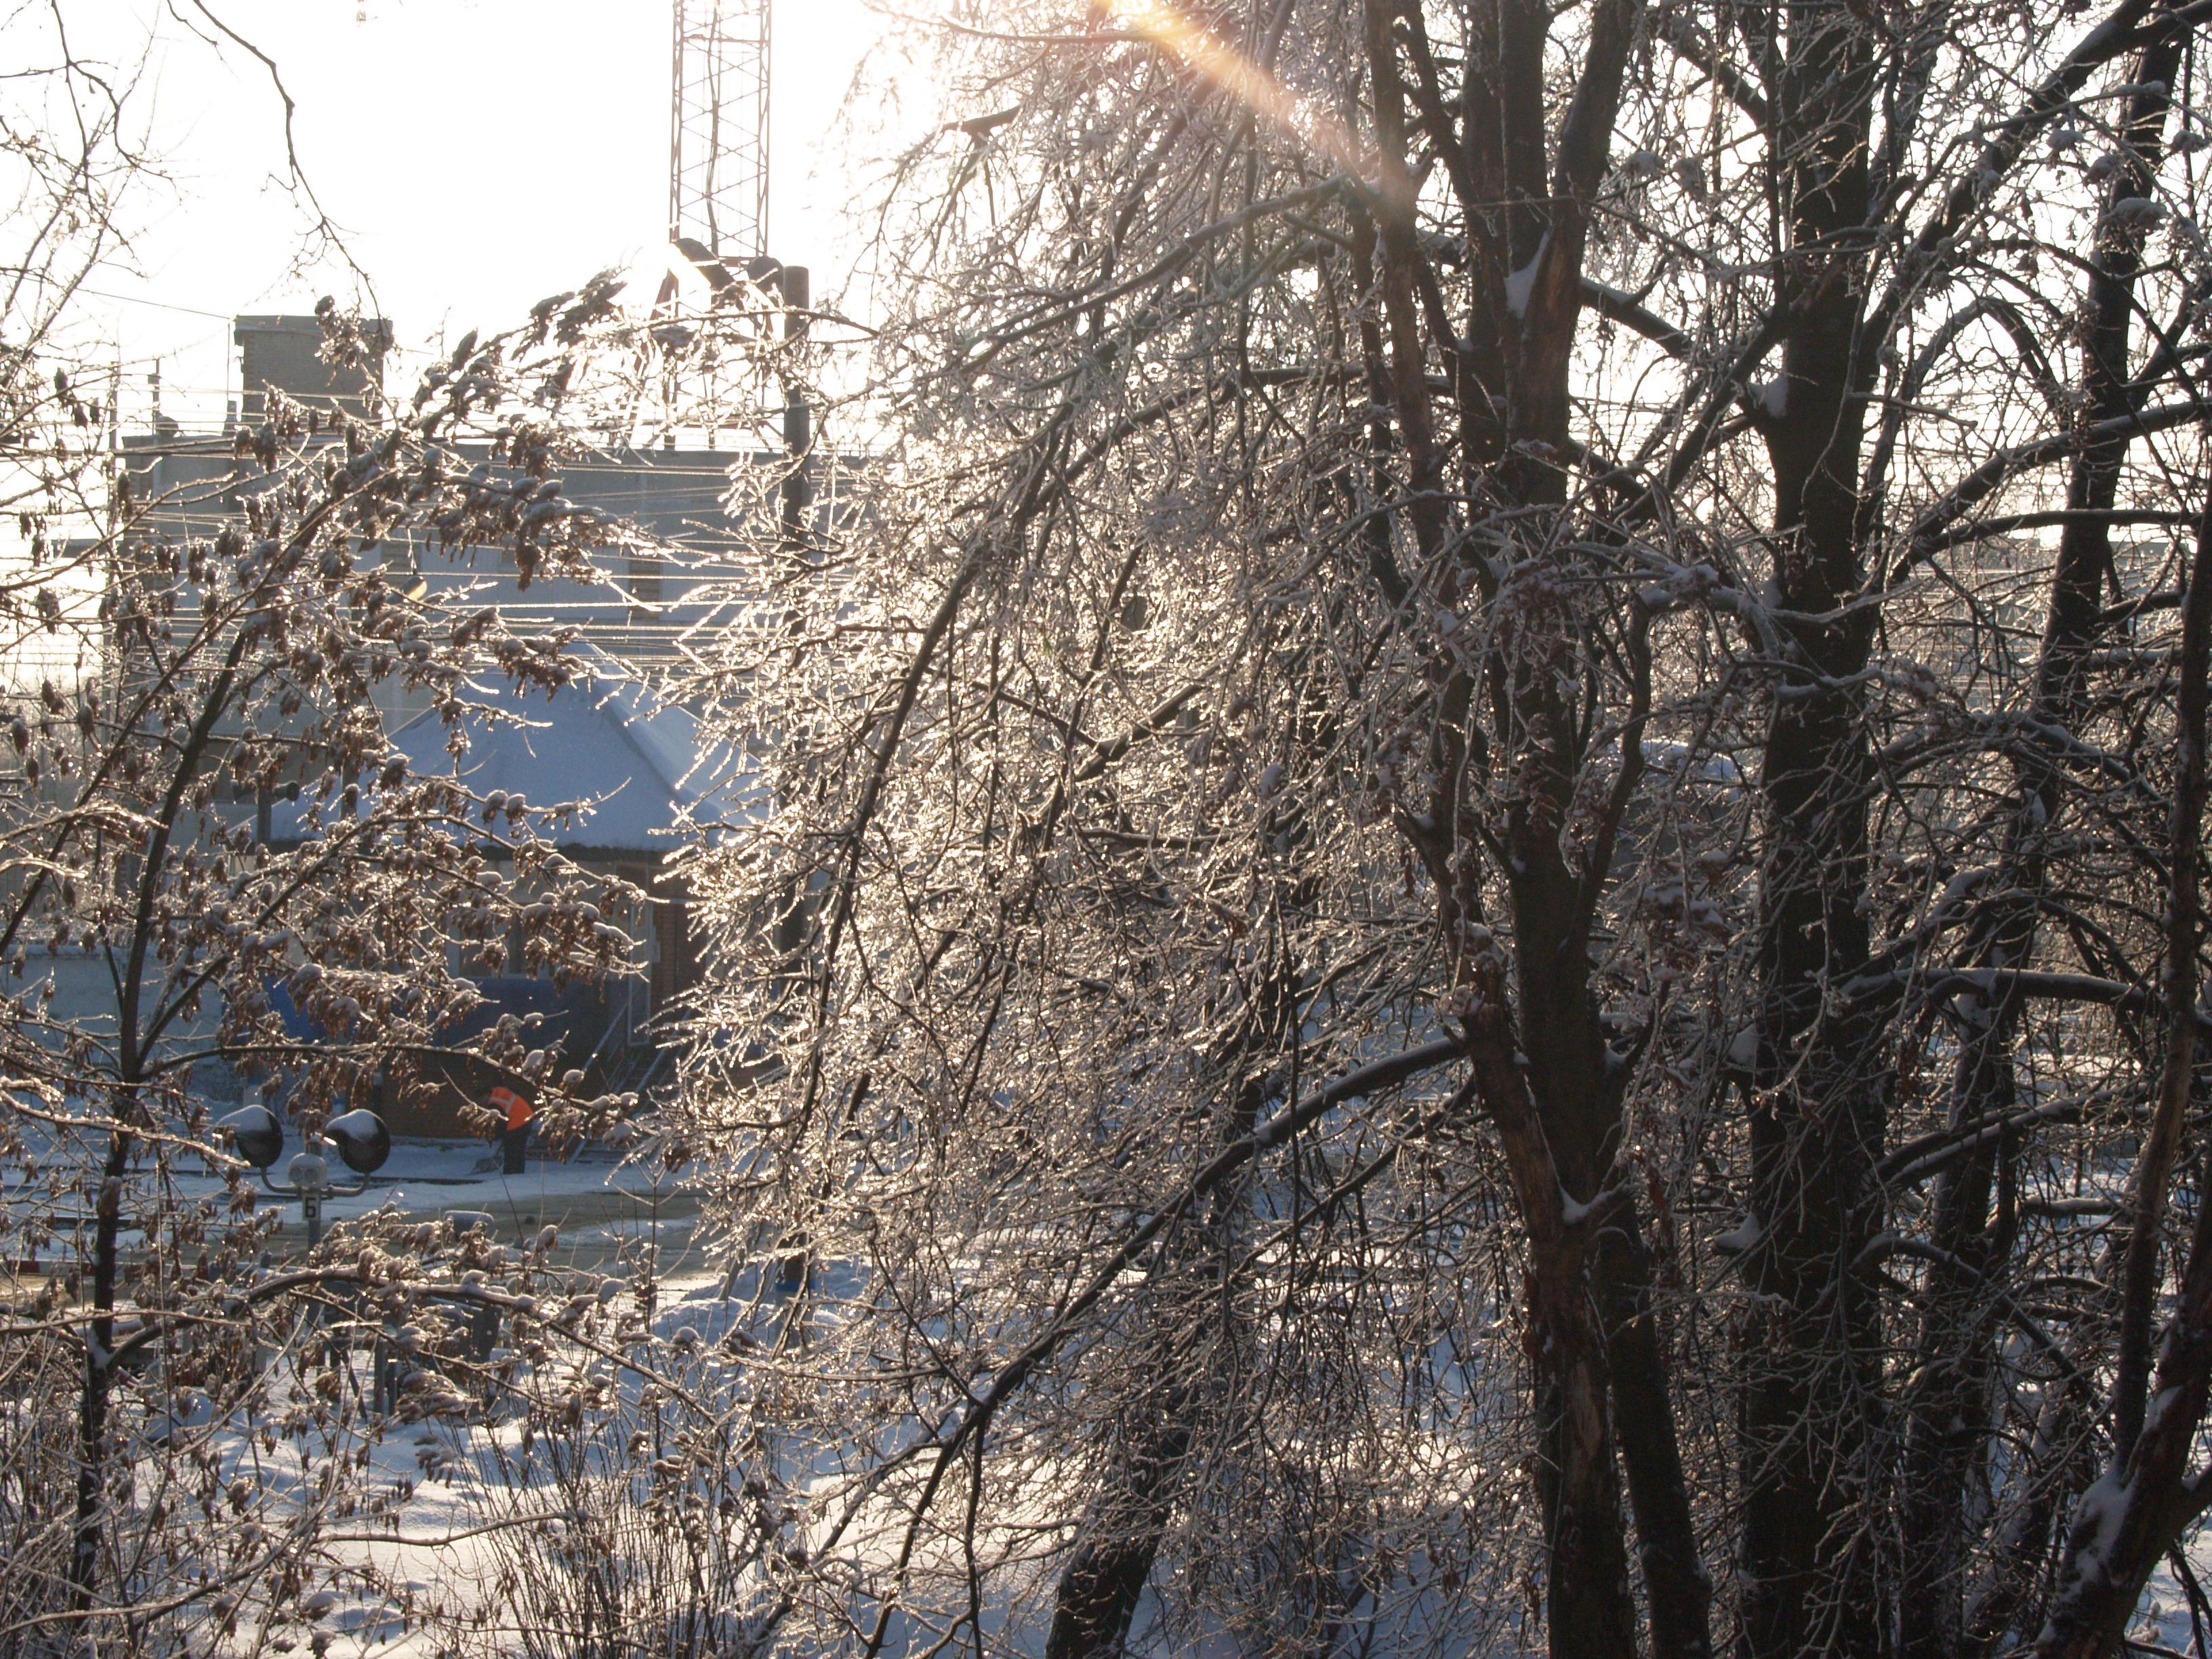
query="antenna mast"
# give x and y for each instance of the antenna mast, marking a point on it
(719, 128)
(717, 209)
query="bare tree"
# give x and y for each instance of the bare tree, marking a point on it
(1504, 669)
(166, 680)
(267, 659)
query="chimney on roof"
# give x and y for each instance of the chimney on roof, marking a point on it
(286, 353)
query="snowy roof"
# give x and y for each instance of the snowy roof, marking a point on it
(605, 739)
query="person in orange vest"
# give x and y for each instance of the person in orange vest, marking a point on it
(517, 1112)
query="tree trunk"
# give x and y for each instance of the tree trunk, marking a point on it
(1590, 1609)
(2124, 1524)
(1545, 1075)
(1817, 1111)
(1127, 1518)
(1105, 1578)
(91, 1521)
(1948, 1412)
(1678, 1590)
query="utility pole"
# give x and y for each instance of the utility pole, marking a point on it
(798, 419)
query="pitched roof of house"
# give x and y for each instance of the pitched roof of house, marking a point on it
(631, 759)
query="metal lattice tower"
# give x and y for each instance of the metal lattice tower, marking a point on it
(717, 127)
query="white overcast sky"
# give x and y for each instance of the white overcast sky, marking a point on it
(479, 154)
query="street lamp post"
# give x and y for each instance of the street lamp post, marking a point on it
(306, 1178)
(361, 1138)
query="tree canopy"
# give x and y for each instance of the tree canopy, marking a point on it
(1481, 923)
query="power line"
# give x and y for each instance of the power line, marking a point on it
(158, 305)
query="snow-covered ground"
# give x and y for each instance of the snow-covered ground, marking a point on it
(2164, 1619)
(430, 1176)
(459, 1555)
(598, 1205)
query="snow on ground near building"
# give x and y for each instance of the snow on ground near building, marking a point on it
(477, 1515)
(447, 1551)
(599, 1208)
(482, 1524)
(595, 1204)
